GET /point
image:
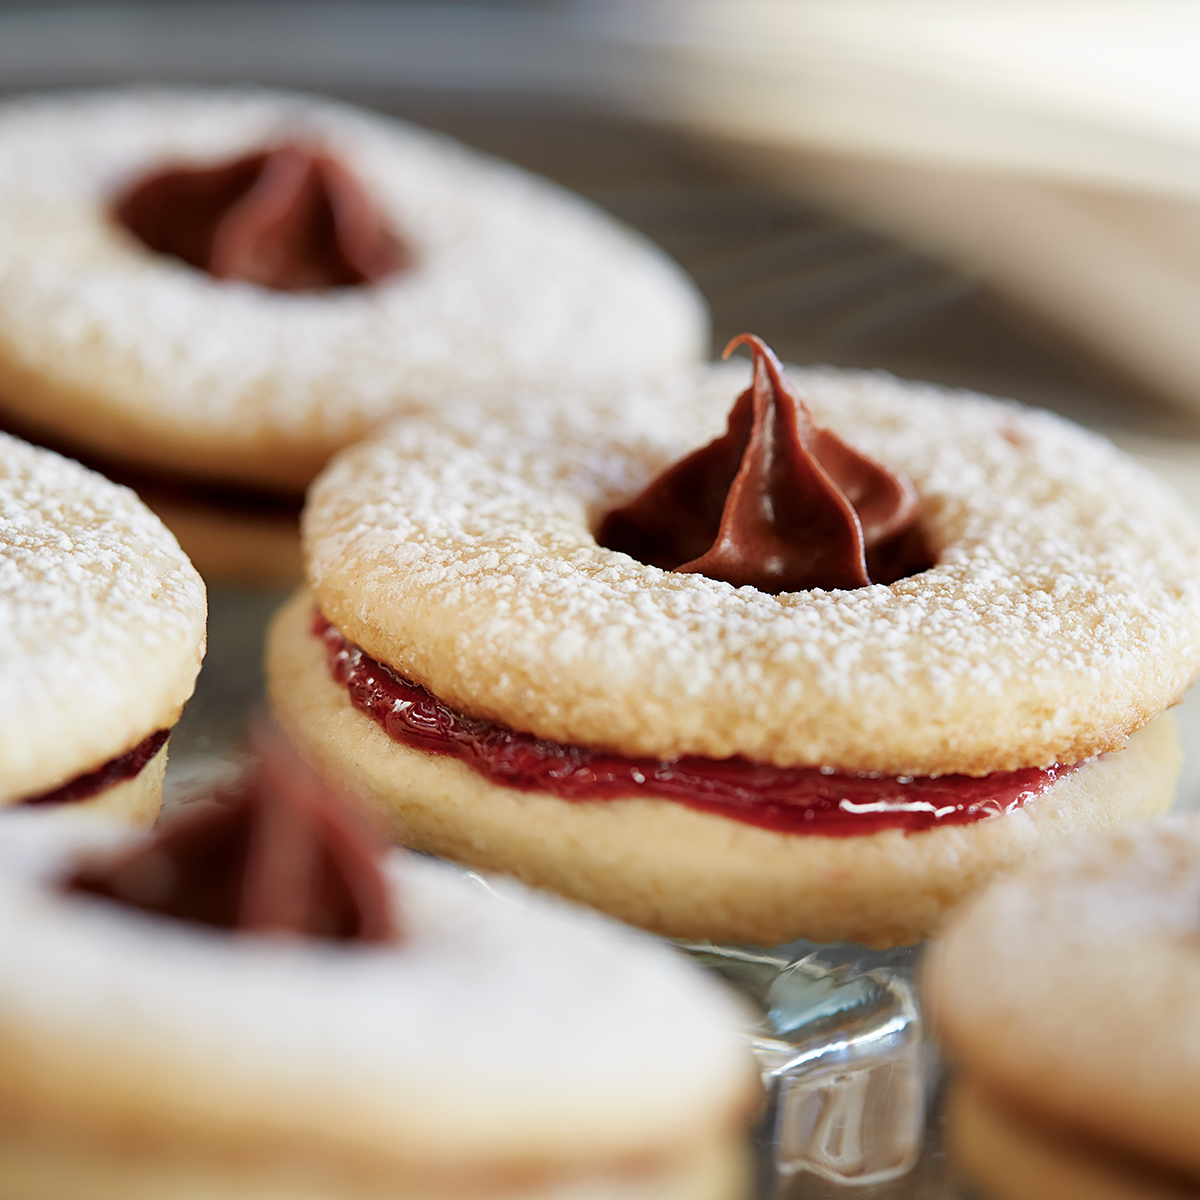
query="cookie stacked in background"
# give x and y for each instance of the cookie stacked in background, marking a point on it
(587, 648)
(101, 635)
(207, 293)
(1069, 998)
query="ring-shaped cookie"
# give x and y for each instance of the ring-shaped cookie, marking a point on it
(1008, 1156)
(101, 631)
(664, 866)
(133, 355)
(144, 1056)
(1062, 614)
(1070, 992)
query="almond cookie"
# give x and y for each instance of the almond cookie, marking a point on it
(1069, 996)
(207, 293)
(101, 636)
(760, 690)
(256, 1004)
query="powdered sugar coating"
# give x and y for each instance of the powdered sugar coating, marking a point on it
(137, 355)
(664, 866)
(506, 1029)
(101, 621)
(1063, 612)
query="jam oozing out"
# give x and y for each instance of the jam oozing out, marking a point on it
(116, 770)
(777, 502)
(784, 799)
(288, 217)
(278, 853)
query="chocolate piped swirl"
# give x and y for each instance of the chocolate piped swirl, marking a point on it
(289, 217)
(278, 854)
(777, 502)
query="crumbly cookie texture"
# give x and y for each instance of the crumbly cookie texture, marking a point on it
(141, 357)
(1072, 990)
(101, 621)
(666, 867)
(507, 1039)
(1063, 612)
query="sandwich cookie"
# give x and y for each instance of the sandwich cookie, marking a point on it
(762, 689)
(1010, 1155)
(1069, 998)
(101, 637)
(205, 294)
(259, 1003)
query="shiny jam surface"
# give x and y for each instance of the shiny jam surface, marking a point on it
(116, 770)
(783, 799)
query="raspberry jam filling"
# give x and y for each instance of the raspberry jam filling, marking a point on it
(109, 774)
(783, 799)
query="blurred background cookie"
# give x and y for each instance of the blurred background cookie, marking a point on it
(1068, 997)
(207, 293)
(1010, 1155)
(257, 1003)
(101, 636)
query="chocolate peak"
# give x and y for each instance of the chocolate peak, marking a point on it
(278, 854)
(290, 218)
(777, 503)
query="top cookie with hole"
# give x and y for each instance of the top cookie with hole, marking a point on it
(226, 287)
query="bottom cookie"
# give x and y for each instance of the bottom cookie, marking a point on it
(136, 801)
(190, 1017)
(231, 546)
(1073, 991)
(1010, 1157)
(232, 535)
(689, 874)
(33, 1169)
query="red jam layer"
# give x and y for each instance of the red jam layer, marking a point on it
(784, 799)
(116, 770)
